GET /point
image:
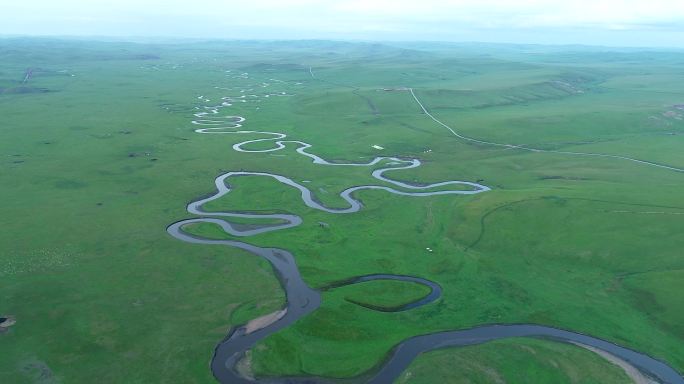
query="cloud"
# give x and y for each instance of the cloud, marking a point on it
(394, 19)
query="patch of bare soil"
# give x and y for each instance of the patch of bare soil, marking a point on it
(244, 366)
(6, 322)
(264, 321)
(631, 371)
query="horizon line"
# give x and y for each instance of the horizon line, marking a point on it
(139, 39)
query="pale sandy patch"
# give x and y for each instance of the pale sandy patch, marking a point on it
(631, 371)
(264, 321)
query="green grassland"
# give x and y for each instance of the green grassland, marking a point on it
(98, 156)
(384, 295)
(513, 361)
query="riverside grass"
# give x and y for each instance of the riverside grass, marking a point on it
(96, 167)
(513, 361)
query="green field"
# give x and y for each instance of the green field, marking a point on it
(98, 156)
(513, 361)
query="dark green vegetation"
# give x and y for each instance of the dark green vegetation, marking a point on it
(94, 166)
(382, 295)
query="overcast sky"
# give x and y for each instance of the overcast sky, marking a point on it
(597, 22)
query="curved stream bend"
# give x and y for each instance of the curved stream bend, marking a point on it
(302, 299)
(433, 295)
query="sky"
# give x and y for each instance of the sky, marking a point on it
(656, 23)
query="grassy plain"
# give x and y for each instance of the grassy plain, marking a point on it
(516, 361)
(98, 156)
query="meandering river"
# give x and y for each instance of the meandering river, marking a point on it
(302, 299)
